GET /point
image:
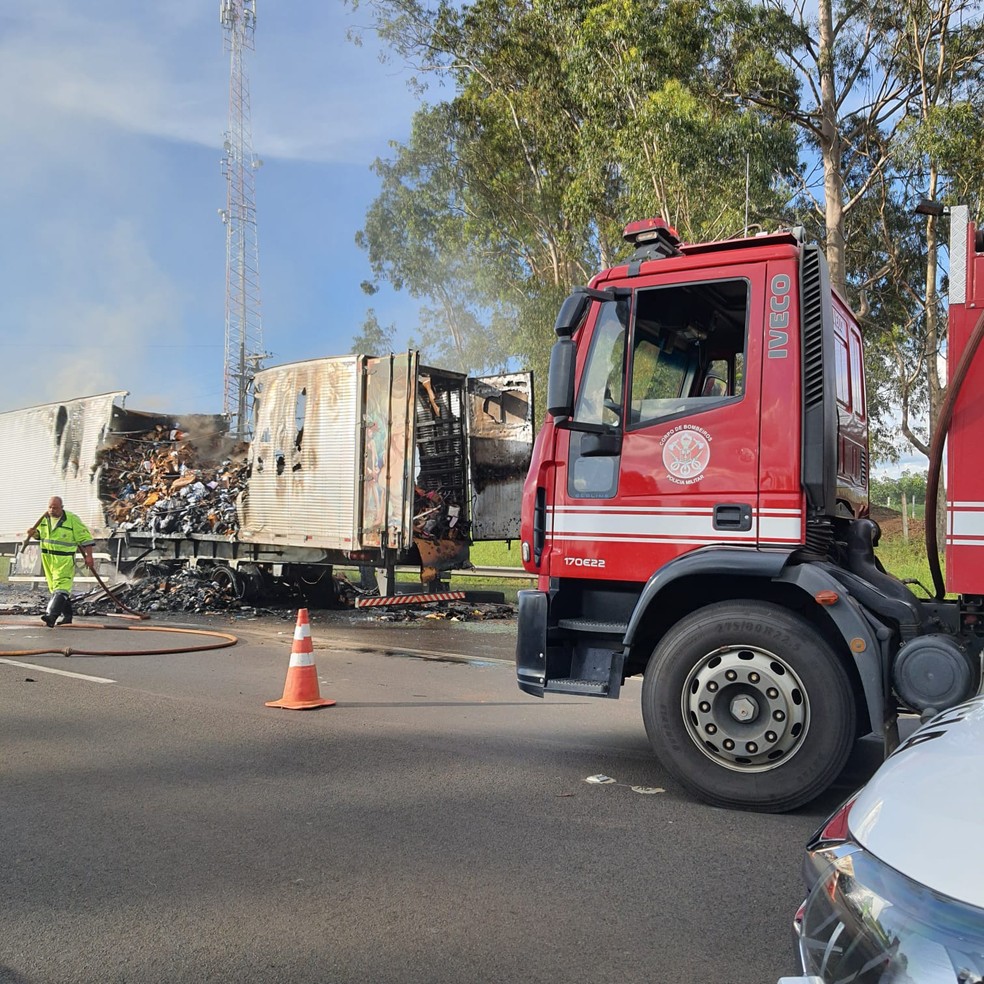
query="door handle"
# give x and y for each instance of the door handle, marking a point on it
(734, 517)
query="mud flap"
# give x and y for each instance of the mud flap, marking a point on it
(438, 556)
(531, 642)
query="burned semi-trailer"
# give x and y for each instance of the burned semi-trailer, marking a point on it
(353, 460)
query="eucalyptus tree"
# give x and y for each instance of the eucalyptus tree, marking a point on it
(882, 94)
(564, 119)
(934, 153)
(938, 156)
(373, 338)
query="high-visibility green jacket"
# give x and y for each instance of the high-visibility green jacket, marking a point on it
(59, 540)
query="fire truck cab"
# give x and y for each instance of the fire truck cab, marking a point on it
(696, 512)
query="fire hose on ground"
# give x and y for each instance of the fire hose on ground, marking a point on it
(224, 639)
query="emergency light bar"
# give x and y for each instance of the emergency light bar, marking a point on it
(649, 230)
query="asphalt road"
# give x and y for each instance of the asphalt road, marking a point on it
(435, 825)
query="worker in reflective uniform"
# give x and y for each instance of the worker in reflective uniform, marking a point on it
(61, 533)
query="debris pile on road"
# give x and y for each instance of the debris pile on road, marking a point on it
(162, 482)
(451, 611)
(188, 589)
(205, 591)
(166, 589)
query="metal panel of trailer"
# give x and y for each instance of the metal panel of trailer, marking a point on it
(388, 432)
(303, 481)
(500, 441)
(52, 450)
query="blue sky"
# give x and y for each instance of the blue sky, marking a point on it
(112, 257)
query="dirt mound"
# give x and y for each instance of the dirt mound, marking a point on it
(890, 521)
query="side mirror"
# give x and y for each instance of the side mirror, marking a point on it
(570, 314)
(560, 381)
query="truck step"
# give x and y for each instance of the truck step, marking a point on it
(571, 686)
(592, 626)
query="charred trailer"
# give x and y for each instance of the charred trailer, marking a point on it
(355, 460)
(696, 513)
(382, 461)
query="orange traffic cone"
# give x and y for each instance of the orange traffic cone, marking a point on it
(301, 689)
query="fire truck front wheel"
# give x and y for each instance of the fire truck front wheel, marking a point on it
(748, 707)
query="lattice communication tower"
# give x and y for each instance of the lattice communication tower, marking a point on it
(243, 324)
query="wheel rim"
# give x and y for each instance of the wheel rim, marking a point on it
(227, 580)
(745, 708)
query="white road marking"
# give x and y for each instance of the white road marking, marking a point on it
(51, 669)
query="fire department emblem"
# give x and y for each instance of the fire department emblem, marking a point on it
(686, 453)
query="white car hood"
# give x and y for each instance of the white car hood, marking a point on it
(921, 813)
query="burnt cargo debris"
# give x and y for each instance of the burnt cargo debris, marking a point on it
(159, 481)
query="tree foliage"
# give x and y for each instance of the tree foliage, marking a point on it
(563, 121)
(374, 338)
(888, 490)
(885, 96)
(556, 121)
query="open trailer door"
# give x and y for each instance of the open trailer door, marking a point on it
(387, 479)
(500, 445)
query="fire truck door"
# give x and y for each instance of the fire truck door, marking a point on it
(681, 396)
(500, 444)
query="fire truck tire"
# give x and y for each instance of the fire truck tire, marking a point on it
(748, 708)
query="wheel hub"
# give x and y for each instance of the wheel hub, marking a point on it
(745, 708)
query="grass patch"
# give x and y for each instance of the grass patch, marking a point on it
(496, 553)
(907, 561)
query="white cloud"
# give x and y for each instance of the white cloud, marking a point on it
(316, 96)
(111, 254)
(914, 463)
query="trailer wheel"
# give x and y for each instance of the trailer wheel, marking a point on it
(227, 580)
(254, 583)
(748, 707)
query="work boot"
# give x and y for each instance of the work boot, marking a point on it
(56, 605)
(51, 615)
(67, 612)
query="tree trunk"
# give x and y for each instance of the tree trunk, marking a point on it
(934, 386)
(831, 150)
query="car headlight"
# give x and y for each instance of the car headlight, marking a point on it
(864, 922)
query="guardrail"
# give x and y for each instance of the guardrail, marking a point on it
(505, 573)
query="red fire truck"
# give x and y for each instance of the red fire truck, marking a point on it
(697, 512)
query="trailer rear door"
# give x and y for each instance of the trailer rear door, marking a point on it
(500, 445)
(388, 456)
